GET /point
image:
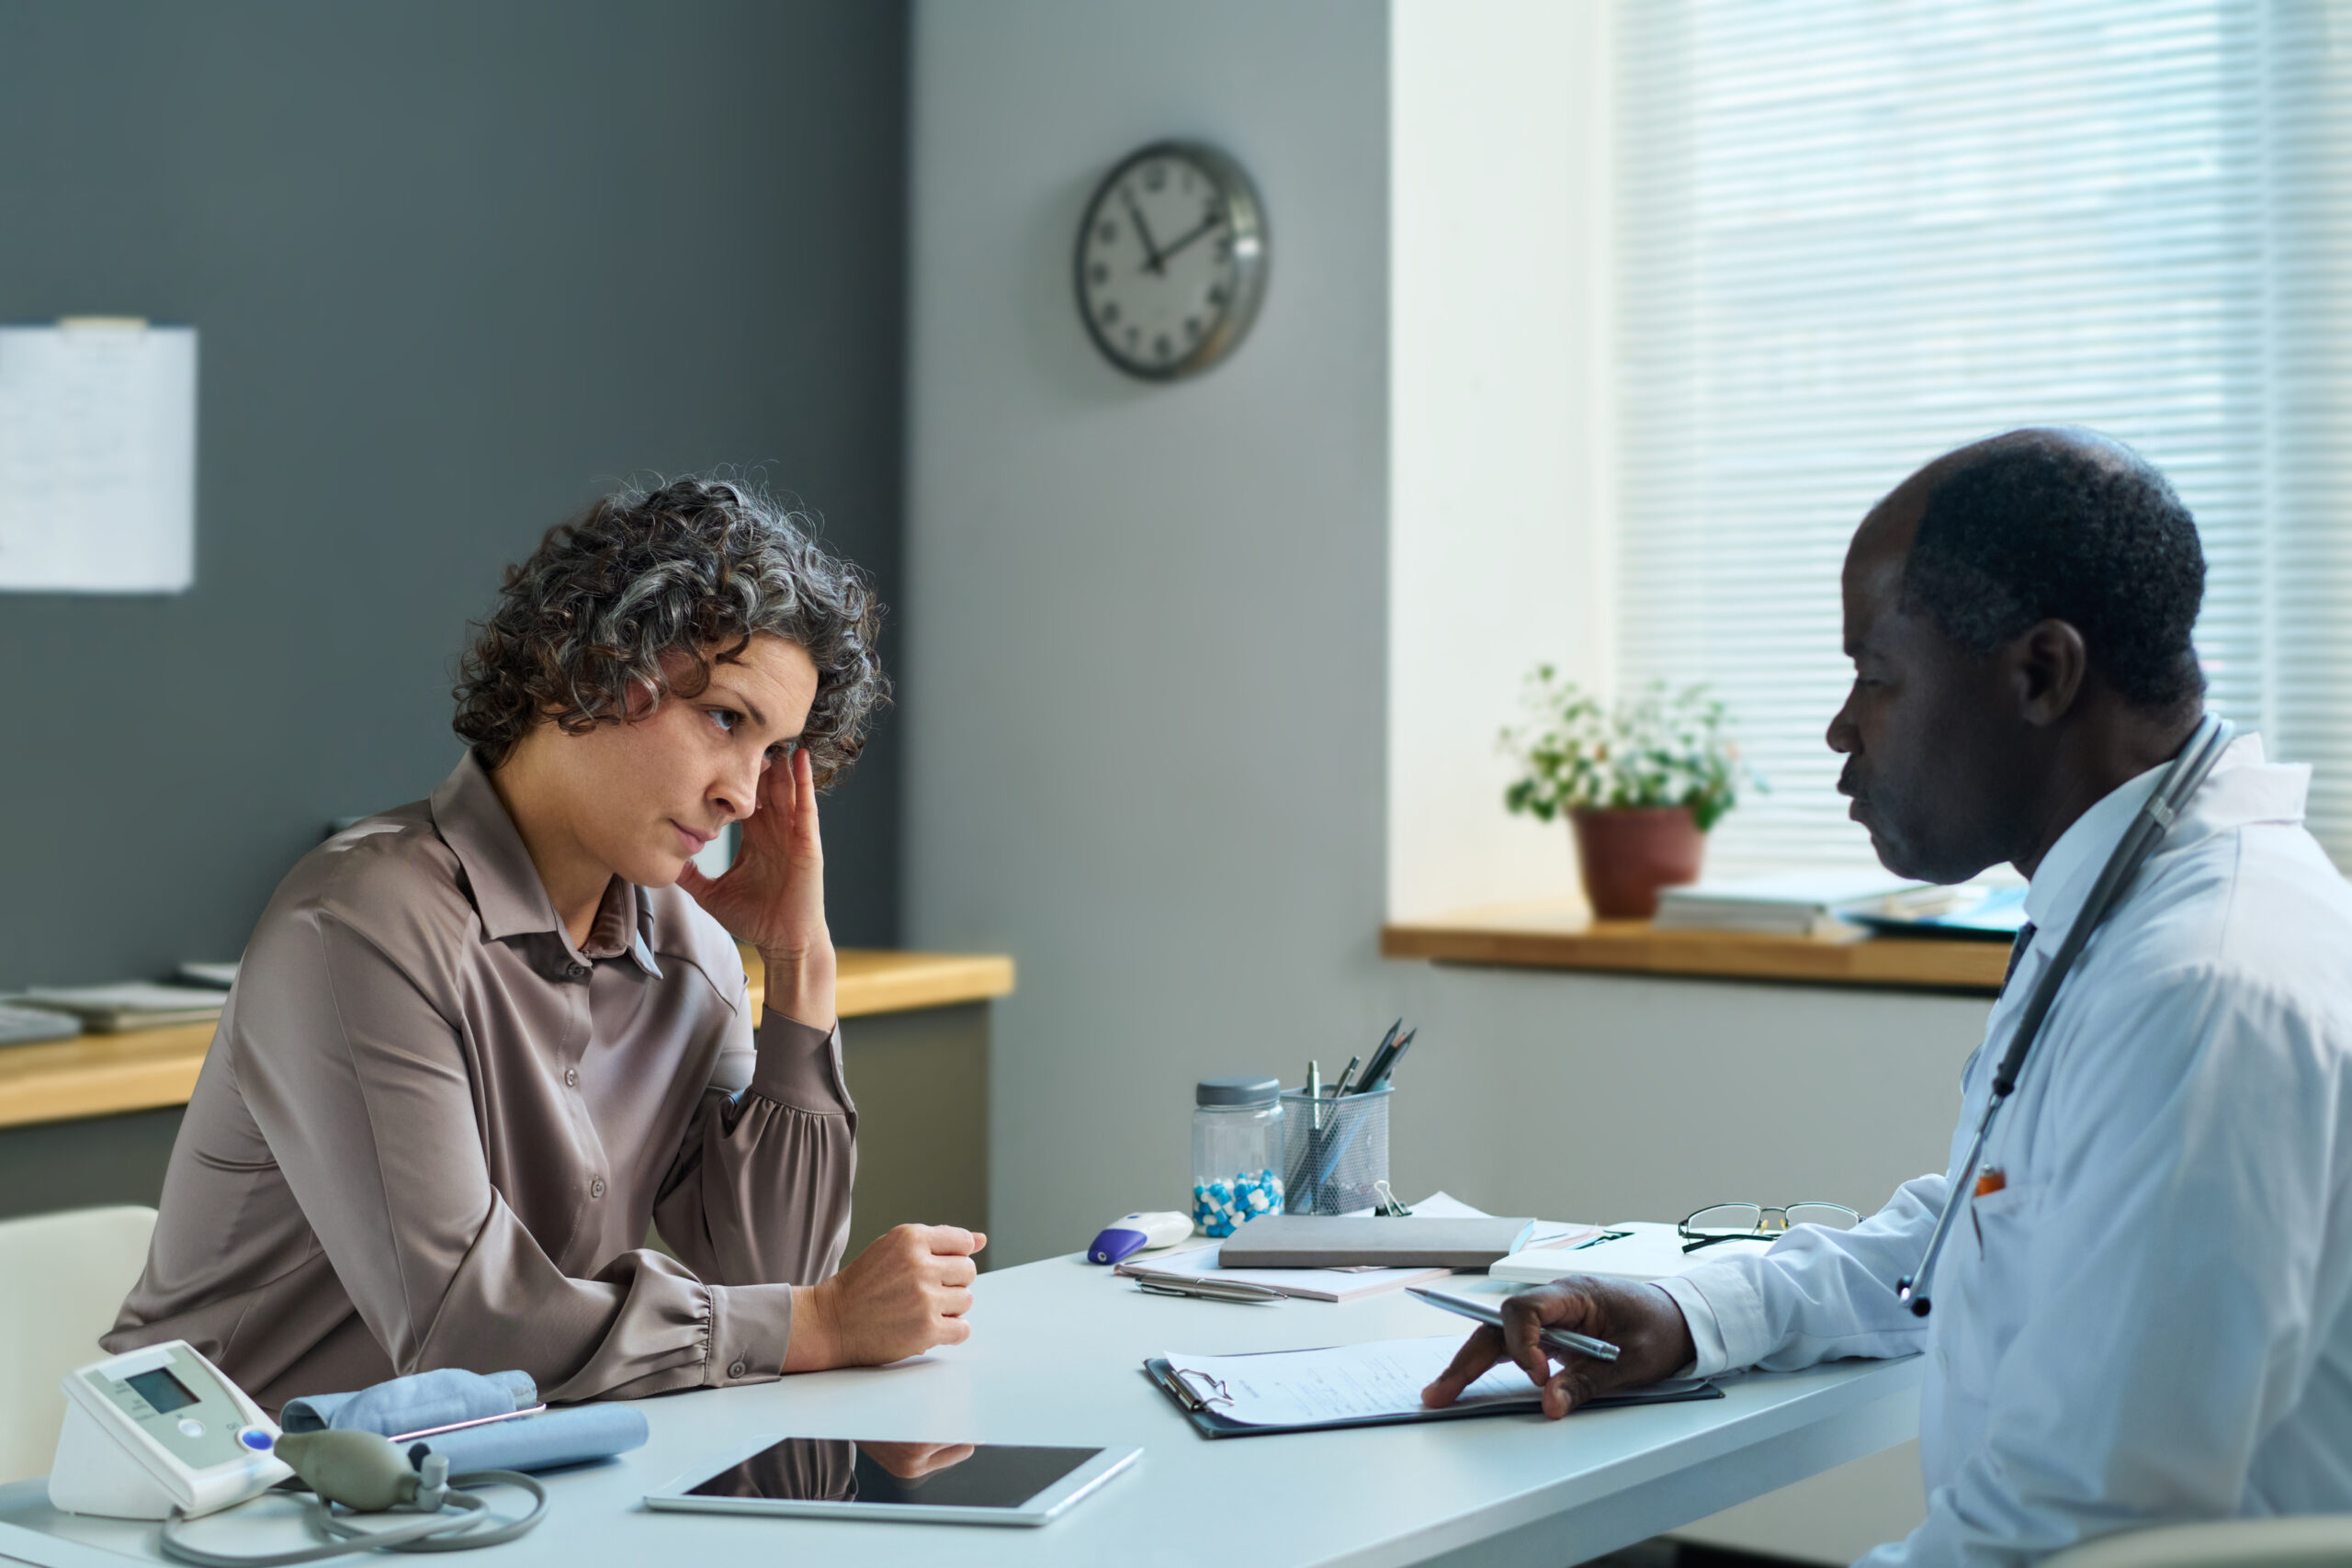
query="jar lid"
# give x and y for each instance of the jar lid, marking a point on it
(1248, 1090)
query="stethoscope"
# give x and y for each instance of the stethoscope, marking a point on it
(2188, 770)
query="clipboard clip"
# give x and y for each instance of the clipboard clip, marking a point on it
(1193, 1398)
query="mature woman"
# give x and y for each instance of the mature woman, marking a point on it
(478, 1042)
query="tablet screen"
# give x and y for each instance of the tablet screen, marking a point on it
(931, 1475)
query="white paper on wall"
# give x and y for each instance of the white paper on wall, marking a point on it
(97, 458)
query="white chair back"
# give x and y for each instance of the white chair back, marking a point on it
(65, 1276)
(2305, 1540)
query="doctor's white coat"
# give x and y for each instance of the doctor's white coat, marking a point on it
(2147, 1323)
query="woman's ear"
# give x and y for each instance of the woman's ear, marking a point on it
(2047, 664)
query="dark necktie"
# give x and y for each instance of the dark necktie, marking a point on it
(2017, 953)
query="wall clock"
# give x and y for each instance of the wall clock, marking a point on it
(1171, 260)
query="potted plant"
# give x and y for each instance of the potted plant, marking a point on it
(1641, 782)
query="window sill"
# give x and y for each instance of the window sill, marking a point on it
(1562, 936)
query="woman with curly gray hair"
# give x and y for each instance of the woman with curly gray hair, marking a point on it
(481, 1043)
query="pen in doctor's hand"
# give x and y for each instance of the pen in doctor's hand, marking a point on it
(1564, 1341)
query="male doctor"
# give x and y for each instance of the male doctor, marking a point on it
(2144, 1315)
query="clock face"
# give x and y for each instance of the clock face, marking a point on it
(1172, 261)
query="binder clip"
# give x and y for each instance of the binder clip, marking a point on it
(1389, 1209)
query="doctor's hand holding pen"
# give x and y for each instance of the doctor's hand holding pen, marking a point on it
(1641, 1320)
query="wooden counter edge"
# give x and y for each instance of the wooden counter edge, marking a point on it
(104, 1074)
(1633, 947)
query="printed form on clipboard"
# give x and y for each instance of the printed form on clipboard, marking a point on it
(1355, 1385)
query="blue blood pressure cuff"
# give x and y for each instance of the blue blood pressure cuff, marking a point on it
(417, 1408)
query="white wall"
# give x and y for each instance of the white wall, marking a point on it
(1146, 699)
(1499, 430)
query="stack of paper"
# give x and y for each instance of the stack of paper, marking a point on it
(211, 977)
(1341, 1284)
(1804, 906)
(30, 1026)
(1631, 1250)
(132, 1004)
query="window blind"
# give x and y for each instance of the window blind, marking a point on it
(1852, 236)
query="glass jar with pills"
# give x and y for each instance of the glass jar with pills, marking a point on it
(1236, 1152)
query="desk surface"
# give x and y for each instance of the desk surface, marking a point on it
(101, 1075)
(1562, 936)
(1056, 1358)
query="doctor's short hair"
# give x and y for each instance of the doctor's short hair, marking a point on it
(2068, 525)
(694, 566)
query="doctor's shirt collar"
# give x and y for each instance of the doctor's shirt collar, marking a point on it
(2243, 788)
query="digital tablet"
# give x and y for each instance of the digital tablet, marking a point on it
(927, 1483)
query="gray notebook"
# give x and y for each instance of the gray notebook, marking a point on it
(1338, 1241)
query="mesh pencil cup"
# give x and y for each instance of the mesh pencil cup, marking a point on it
(1333, 1151)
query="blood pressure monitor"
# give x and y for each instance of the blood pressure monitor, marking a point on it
(158, 1429)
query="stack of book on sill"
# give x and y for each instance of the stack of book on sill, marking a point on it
(131, 1004)
(1812, 905)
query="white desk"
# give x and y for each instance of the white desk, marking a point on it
(1056, 1358)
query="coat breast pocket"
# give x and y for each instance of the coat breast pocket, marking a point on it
(1983, 1302)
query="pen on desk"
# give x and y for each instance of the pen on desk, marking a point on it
(1560, 1340)
(1204, 1290)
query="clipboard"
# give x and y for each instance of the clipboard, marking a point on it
(1207, 1421)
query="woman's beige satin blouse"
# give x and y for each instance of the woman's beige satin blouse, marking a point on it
(431, 1131)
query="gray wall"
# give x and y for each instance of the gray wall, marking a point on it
(456, 267)
(1145, 623)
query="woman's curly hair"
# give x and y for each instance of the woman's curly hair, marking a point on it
(699, 567)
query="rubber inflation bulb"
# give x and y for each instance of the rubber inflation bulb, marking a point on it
(361, 1470)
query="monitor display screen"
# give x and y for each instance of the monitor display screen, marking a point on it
(162, 1390)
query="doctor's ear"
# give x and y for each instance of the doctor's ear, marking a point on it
(2047, 665)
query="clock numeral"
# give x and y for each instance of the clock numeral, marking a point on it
(1225, 247)
(1216, 294)
(1162, 346)
(1106, 232)
(1134, 336)
(1192, 326)
(1098, 273)
(1110, 313)
(1155, 176)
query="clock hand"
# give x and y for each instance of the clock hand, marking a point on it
(1152, 258)
(1202, 227)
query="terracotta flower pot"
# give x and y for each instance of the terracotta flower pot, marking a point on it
(1629, 853)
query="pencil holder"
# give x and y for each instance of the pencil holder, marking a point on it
(1333, 1151)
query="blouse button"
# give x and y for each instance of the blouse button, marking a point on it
(736, 1370)
(575, 970)
(597, 1188)
(571, 1078)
